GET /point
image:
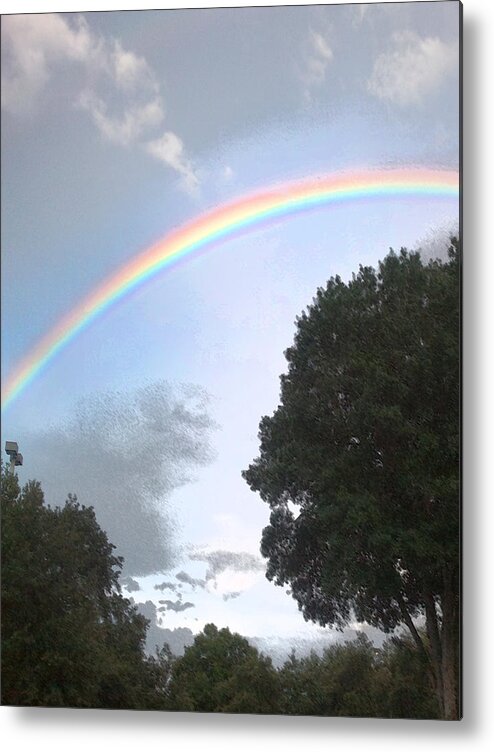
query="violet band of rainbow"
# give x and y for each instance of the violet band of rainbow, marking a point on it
(219, 224)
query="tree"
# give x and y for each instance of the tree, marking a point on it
(221, 672)
(356, 679)
(360, 461)
(403, 681)
(341, 682)
(68, 636)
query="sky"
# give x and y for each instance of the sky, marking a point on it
(118, 128)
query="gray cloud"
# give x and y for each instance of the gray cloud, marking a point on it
(436, 243)
(124, 454)
(220, 561)
(177, 639)
(175, 605)
(167, 586)
(132, 586)
(189, 580)
(231, 596)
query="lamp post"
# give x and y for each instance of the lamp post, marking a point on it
(16, 458)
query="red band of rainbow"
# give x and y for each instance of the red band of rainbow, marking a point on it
(219, 224)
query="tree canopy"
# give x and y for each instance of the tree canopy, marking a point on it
(69, 638)
(360, 461)
(222, 672)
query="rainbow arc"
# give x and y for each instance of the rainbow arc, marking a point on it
(226, 221)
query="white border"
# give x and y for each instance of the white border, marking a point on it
(57, 730)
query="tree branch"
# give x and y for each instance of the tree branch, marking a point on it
(411, 626)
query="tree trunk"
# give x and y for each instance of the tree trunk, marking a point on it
(436, 653)
(432, 655)
(442, 651)
(449, 643)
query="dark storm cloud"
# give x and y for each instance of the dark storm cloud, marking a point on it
(124, 453)
(175, 605)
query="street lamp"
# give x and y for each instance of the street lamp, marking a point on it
(12, 450)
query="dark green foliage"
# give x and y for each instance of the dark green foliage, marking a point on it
(365, 446)
(68, 637)
(404, 683)
(221, 672)
(355, 679)
(343, 682)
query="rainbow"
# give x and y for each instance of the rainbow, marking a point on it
(217, 225)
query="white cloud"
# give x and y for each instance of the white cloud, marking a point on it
(169, 149)
(412, 69)
(318, 55)
(227, 174)
(229, 572)
(128, 127)
(129, 70)
(358, 13)
(231, 581)
(35, 46)
(321, 47)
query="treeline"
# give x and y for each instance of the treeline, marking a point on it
(222, 672)
(70, 639)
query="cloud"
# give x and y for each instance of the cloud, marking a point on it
(227, 173)
(317, 56)
(437, 241)
(414, 68)
(123, 97)
(131, 586)
(169, 149)
(167, 586)
(230, 596)
(228, 573)
(125, 453)
(175, 605)
(219, 561)
(127, 128)
(358, 12)
(177, 639)
(129, 70)
(33, 44)
(186, 578)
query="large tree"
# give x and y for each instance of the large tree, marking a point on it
(360, 461)
(69, 638)
(222, 673)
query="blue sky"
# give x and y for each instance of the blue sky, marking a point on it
(116, 128)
